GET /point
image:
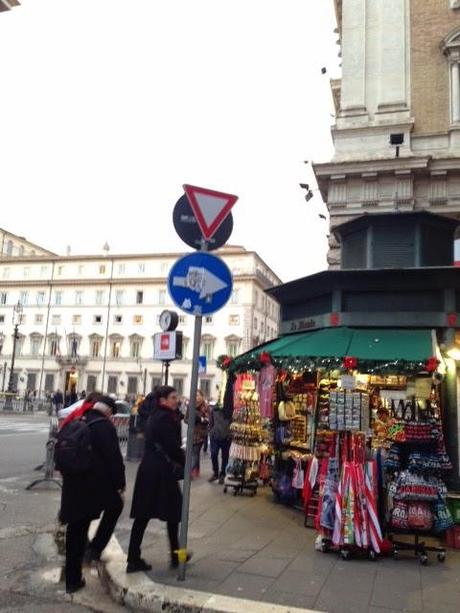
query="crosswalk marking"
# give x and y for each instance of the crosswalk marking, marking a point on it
(11, 425)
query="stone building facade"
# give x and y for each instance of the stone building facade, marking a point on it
(397, 129)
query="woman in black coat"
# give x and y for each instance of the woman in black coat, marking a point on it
(156, 492)
(98, 489)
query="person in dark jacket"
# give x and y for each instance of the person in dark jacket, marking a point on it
(156, 491)
(200, 431)
(99, 489)
(219, 432)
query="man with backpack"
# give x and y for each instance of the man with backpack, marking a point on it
(88, 455)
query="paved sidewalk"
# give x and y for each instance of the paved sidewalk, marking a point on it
(254, 549)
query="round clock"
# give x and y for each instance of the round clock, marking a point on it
(169, 321)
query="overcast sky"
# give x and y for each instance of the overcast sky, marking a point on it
(109, 106)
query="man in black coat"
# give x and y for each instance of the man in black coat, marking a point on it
(99, 489)
(156, 492)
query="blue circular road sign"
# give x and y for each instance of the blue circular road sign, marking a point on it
(200, 283)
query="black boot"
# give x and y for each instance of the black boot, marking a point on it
(138, 566)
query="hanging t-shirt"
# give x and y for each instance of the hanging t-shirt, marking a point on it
(265, 389)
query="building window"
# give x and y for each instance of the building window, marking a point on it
(132, 385)
(19, 345)
(56, 320)
(119, 297)
(156, 382)
(234, 320)
(91, 383)
(76, 320)
(233, 347)
(81, 268)
(3, 297)
(22, 318)
(137, 320)
(162, 296)
(49, 382)
(35, 344)
(97, 319)
(2, 319)
(139, 297)
(9, 247)
(141, 268)
(26, 271)
(79, 298)
(118, 319)
(43, 273)
(6, 273)
(53, 346)
(102, 269)
(207, 349)
(57, 298)
(121, 269)
(235, 296)
(96, 344)
(185, 344)
(112, 384)
(182, 319)
(99, 297)
(60, 270)
(208, 319)
(178, 385)
(73, 346)
(255, 323)
(205, 387)
(115, 351)
(136, 348)
(23, 297)
(40, 298)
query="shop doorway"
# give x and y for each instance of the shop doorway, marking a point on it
(71, 386)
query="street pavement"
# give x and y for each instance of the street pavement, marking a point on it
(255, 549)
(30, 565)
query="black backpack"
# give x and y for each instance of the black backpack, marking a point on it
(73, 450)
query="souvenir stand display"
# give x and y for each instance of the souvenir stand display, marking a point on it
(248, 439)
(356, 444)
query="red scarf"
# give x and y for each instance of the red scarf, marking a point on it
(78, 413)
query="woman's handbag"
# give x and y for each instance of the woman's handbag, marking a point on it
(177, 469)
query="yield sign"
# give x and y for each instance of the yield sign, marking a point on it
(210, 207)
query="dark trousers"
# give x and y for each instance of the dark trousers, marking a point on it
(137, 534)
(224, 447)
(75, 544)
(196, 450)
(77, 540)
(106, 527)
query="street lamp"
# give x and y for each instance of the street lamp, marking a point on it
(17, 313)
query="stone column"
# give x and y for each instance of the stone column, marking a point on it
(455, 80)
(394, 71)
(353, 95)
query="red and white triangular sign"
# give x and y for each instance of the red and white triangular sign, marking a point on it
(210, 207)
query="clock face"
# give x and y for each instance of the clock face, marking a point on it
(168, 320)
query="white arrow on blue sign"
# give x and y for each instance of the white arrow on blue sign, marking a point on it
(200, 283)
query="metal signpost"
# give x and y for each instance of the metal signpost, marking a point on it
(199, 284)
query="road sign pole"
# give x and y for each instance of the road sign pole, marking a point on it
(188, 452)
(166, 365)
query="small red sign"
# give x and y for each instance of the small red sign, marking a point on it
(452, 319)
(335, 319)
(164, 342)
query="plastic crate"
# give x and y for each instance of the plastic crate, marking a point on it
(453, 502)
(453, 537)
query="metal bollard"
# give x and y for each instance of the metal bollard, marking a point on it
(48, 466)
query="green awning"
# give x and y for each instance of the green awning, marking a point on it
(330, 342)
(391, 344)
(378, 344)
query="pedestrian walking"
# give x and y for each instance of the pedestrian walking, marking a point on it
(58, 400)
(219, 433)
(156, 491)
(200, 431)
(88, 455)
